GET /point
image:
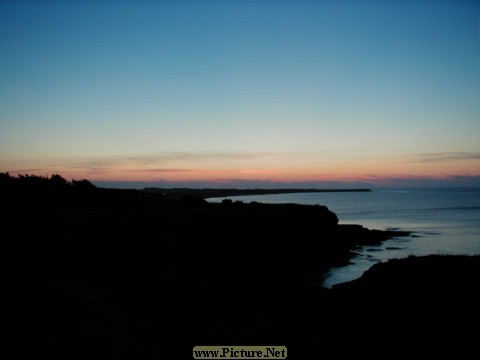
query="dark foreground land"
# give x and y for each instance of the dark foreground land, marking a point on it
(101, 273)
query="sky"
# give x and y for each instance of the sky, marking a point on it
(241, 93)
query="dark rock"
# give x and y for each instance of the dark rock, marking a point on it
(139, 274)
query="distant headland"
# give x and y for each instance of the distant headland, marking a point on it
(215, 193)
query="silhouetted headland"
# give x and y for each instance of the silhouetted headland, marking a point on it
(207, 193)
(136, 274)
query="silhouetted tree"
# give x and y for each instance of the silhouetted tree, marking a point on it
(5, 179)
(83, 184)
(227, 202)
(57, 181)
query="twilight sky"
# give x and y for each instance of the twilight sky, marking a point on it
(222, 93)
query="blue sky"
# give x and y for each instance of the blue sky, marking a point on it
(232, 92)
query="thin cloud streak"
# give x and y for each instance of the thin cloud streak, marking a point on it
(195, 157)
(165, 170)
(445, 156)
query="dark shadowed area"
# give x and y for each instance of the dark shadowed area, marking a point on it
(108, 273)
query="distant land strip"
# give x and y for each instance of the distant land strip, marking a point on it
(215, 193)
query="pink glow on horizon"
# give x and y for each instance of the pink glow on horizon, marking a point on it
(274, 176)
(264, 168)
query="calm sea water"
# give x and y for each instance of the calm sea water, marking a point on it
(443, 221)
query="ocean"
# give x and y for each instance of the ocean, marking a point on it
(442, 221)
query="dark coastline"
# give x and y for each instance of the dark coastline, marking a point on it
(206, 193)
(103, 273)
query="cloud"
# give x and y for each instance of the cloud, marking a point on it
(163, 170)
(445, 156)
(186, 156)
(28, 171)
(154, 164)
(423, 181)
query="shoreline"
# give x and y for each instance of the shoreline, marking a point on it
(132, 274)
(208, 193)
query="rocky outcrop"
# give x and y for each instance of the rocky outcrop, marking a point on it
(434, 276)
